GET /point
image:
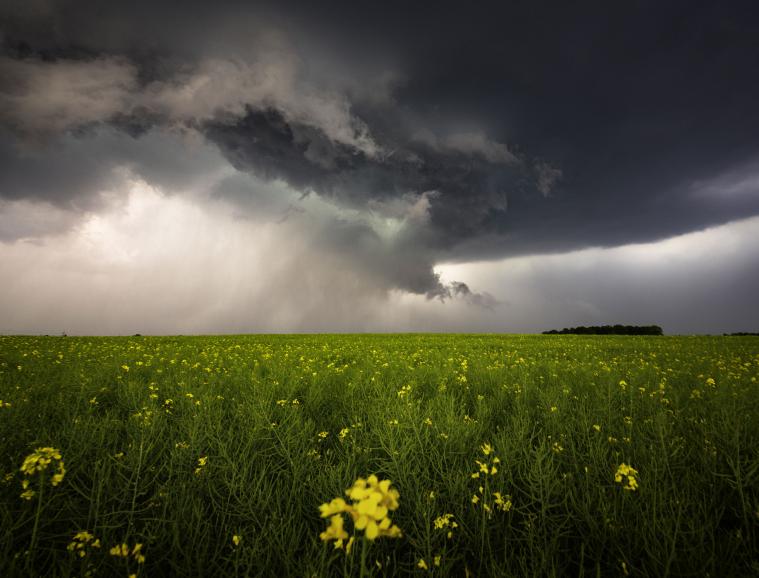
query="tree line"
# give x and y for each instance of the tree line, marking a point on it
(608, 330)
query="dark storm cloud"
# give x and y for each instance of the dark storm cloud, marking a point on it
(470, 183)
(500, 130)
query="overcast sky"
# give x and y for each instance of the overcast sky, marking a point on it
(211, 167)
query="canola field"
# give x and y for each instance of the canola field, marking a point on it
(379, 455)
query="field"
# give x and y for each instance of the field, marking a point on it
(507, 455)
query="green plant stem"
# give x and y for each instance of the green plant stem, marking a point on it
(363, 557)
(37, 516)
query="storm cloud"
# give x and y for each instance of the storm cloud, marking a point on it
(387, 140)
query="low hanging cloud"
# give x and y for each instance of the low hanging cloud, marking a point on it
(290, 276)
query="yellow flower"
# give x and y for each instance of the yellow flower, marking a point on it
(349, 545)
(487, 449)
(443, 522)
(626, 475)
(83, 536)
(119, 550)
(334, 507)
(58, 476)
(335, 530)
(81, 542)
(202, 461)
(39, 461)
(422, 564)
(503, 504)
(371, 501)
(122, 551)
(236, 540)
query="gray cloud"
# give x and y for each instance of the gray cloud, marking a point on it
(265, 120)
(40, 98)
(391, 154)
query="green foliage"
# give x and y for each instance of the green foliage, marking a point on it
(240, 450)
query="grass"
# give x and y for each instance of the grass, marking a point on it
(561, 413)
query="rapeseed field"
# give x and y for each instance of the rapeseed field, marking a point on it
(379, 455)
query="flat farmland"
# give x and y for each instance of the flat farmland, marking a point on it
(383, 455)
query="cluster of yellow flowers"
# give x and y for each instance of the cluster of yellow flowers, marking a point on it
(123, 551)
(445, 522)
(626, 475)
(487, 469)
(82, 542)
(37, 463)
(372, 501)
(202, 461)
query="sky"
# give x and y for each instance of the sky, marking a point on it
(239, 167)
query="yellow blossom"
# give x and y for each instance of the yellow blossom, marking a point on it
(120, 550)
(503, 504)
(371, 501)
(38, 462)
(626, 475)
